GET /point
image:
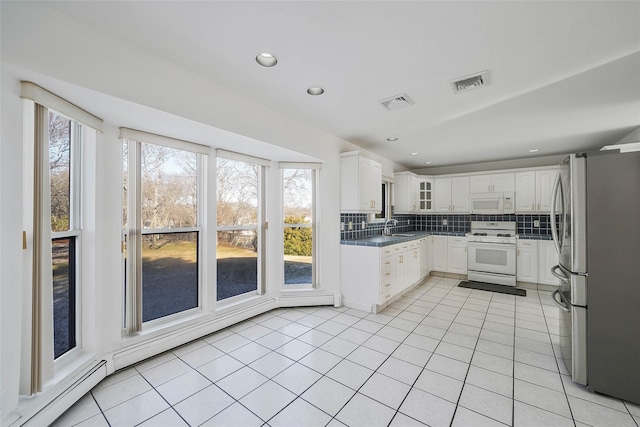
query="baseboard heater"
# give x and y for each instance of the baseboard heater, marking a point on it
(77, 387)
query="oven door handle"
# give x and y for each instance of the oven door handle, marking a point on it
(561, 304)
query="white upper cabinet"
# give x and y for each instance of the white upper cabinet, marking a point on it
(544, 187)
(405, 188)
(452, 194)
(533, 190)
(499, 183)
(425, 195)
(460, 194)
(442, 187)
(360, 184)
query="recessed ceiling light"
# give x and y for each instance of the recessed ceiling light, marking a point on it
(427, 163)
(392, 139)
(266, 59)
(414, 153)
(315, 90)
(535, 150)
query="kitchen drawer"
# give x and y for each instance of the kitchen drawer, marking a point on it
(387, 295)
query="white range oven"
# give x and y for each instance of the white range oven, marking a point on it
(492, 252)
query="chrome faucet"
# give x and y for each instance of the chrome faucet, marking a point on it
(387, 230)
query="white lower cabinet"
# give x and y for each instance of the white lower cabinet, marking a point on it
(450, 254)
(527, 261)
(426, 255)
(439, 253)
(534, 261)
(373, 276)
(547, 258)
(457, 254)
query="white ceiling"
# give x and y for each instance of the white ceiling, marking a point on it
(565, 76)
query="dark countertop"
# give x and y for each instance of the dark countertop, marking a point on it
(379, 241)
(535, 236)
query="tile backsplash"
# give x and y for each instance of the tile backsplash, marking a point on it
(526, 224)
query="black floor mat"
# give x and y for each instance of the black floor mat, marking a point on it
(493, 288)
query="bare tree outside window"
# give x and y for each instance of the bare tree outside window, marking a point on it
(63, 244)
(169, 226)
(237, 212)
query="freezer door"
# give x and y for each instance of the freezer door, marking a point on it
(573, 342)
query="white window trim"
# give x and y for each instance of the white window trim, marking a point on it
(134, 323)
(39, 95)
(315, 224)
(260, 227)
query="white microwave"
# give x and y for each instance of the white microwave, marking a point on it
(492, 203)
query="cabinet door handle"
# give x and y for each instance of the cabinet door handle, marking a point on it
(387, 274)
(518, 251)
(387, 263)
(387, 285)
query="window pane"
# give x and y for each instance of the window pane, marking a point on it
(64, 295)
(298, 260)
(169, 274)
(297, 196)
(60, 171)
(169, 188)
(237, 192)
(237, 260)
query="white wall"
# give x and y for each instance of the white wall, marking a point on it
(92, 67)
(10, 243)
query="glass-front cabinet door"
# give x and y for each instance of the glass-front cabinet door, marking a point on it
(425, 195)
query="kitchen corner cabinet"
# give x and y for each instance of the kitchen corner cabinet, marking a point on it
(527, 261)
(371, 277)
(405, 188)
(360, 184)
(547, 258)
(533, 190)
(490, 183)
(452, 194)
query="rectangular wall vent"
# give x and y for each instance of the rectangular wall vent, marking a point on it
(396, 102)
(473, 81)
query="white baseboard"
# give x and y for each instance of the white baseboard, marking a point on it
(358, 305)
(294, 299)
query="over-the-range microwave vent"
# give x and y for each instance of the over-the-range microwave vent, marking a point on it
(472, 81)
(396, 102)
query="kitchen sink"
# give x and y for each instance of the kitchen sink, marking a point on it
(403, 235)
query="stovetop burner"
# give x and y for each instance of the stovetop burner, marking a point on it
(493, 232)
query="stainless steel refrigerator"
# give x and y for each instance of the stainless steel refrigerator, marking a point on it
(596, 210)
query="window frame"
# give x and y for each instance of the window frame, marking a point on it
(260, 227)
(314, 225)
(132, 234)
(74, 232)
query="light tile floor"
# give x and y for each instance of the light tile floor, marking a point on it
(439, 356)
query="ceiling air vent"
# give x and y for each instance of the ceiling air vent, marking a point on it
(396, 102)
(473, 81)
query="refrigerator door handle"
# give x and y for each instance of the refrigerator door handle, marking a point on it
(561, 304)
(562, 277)
(552, 212)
